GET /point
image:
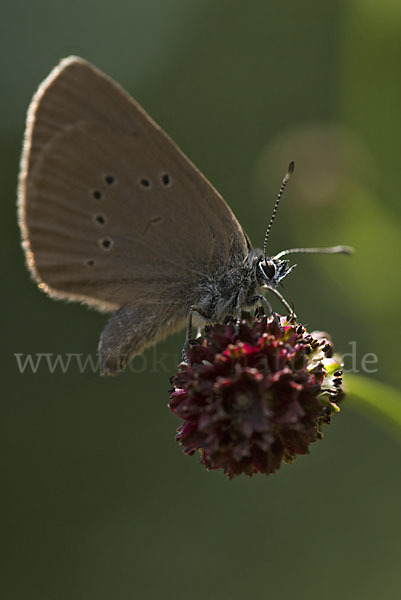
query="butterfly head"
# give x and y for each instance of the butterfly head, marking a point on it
(270, 271)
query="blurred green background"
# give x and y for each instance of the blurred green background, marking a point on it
(97, 500)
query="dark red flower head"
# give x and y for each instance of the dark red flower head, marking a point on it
(254, 398)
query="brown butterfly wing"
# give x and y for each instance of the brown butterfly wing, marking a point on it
(111, 211)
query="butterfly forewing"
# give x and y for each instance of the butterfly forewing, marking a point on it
(111, 211)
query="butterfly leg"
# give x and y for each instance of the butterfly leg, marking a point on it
(269, 308)
(189, 333)
(289, 308)
(238, 308)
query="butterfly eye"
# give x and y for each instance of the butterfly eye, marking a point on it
(269, 269)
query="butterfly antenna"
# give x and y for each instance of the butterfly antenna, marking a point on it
(330, 250)
(280, 193)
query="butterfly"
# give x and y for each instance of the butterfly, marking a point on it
(114, 215)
